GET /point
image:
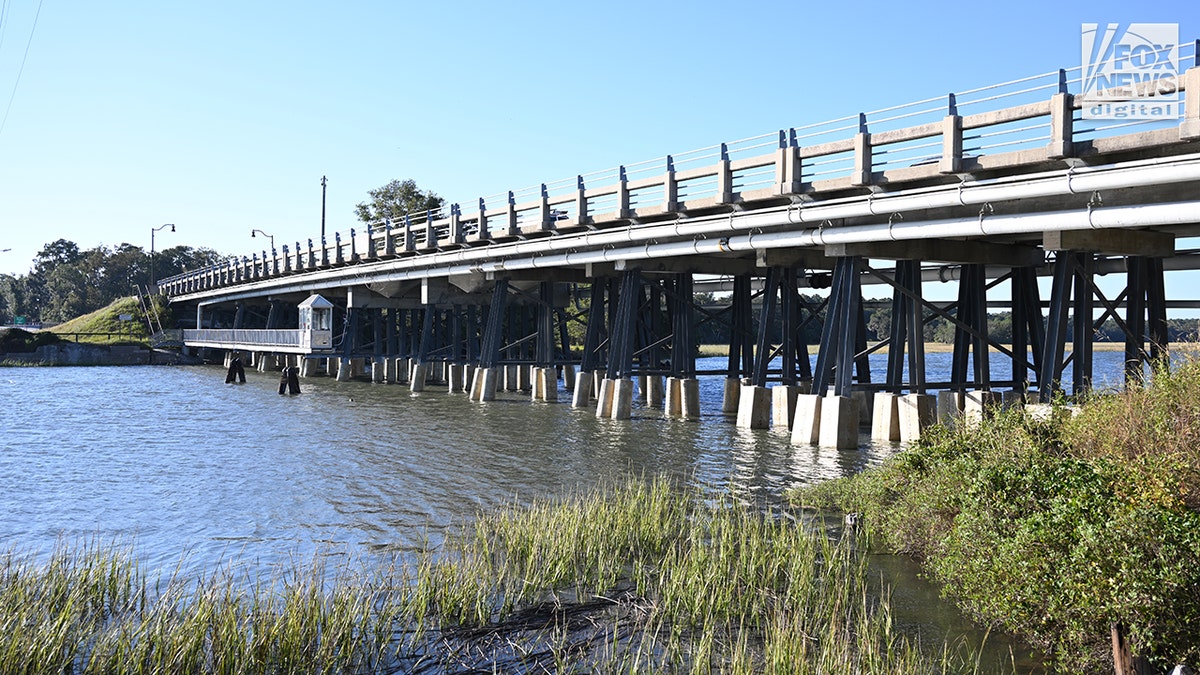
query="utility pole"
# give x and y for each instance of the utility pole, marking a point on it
(323, 183)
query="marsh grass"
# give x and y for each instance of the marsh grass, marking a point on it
(640, 577)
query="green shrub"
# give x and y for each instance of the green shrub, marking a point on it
(1057, 529)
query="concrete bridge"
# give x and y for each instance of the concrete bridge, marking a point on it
(989, 189)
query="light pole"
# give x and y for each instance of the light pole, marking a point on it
(323, 183)
(255, 232)
(154, 286)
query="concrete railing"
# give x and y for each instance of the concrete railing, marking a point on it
(1013, 124)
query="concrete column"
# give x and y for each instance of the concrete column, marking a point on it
(949, 408)
(604, 399)
(654, 390)
(598, 377)
(524, 378)
(641, 389)
(917, 412)
(483, 386)
(673, 406)
(806, 423)
(343, 370)
(510, 378)
(389, 370)
(331, 366)
(839, 422)
(402, 370)
(885, 419)
(783, 405)
(754, 407)
(622, 399)
(582, 395)
(420, 373)
(866, 403)
(454, 378)
(545, 384)
(378, 370)
(1012, 399)
(979, 405)
(689, 398)
(468, 376)
(306, 367)
(568, 372)
(733, 389)
(260, 361)
(358, 367)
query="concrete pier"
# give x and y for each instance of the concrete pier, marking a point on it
(654, 390)
(545, 384)
(454, 378)
(420, 373)
(379, 370)
(949, 408)
(885, 425)
(806, 422)
(783, 405)
(581, 396)
(978, 406)
(689, 395)
(622, 398)
(731, 394)
(754, 407)
(917, 412)
(604, 399)
(839, 422)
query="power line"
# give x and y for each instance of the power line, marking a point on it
(21, 70)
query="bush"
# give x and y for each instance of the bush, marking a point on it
(18, 341)
(1057, 529)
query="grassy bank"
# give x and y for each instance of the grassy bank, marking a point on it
(639, 578)
(1057, 529)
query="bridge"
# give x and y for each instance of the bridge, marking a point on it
(992, 190)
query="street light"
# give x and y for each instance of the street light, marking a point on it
(269, 236)
(154, 286)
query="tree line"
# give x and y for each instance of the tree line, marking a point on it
(66, 281)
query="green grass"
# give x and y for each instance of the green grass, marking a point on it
(1056, 529)
(108, 320)
(637, 578)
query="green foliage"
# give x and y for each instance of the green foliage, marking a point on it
(395, 200)
(15, 340)
(66, 282)
(1056, 529)
(108, 320)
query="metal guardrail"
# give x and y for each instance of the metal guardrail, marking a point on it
(1011, 123)
(242, 337)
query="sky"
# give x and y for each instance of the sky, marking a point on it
(222, 117)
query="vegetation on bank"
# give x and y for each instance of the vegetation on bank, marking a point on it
(638, 578)
(1057, 529)
(106, 327)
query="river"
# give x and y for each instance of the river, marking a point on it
(188, 468)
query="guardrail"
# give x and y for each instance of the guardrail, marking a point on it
(1014, 123)
(242, 337)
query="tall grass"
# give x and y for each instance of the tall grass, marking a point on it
(636, 578)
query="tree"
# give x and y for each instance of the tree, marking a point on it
(395, 200)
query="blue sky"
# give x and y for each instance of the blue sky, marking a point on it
(221, 117)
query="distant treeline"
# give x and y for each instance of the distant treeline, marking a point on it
(66, 281)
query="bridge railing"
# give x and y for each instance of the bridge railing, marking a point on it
(242, 337)
(1009, 124)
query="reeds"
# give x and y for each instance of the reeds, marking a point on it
(636, 578)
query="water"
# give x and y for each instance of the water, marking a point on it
(186, 467)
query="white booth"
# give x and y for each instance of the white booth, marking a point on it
(316, 324)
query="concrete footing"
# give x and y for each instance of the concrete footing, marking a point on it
(604, 398)
(378, 371)
(979, 405)
(689, 398)
(754, 407)
(806, 422)
(917, 412)
(949, 408)
(783, 405)
(839, 422)
(581, 396)
(885, 418)
(568, 375)
(622, 399)
(545, 384)
(420, 373)
(454, 378)
(343, 370)
(731, 394)
(483, 385)
(654, 390)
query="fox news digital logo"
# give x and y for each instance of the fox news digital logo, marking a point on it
(1131, 71)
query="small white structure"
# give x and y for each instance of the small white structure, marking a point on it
(316, 324)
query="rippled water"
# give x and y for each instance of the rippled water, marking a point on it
(176, 461)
